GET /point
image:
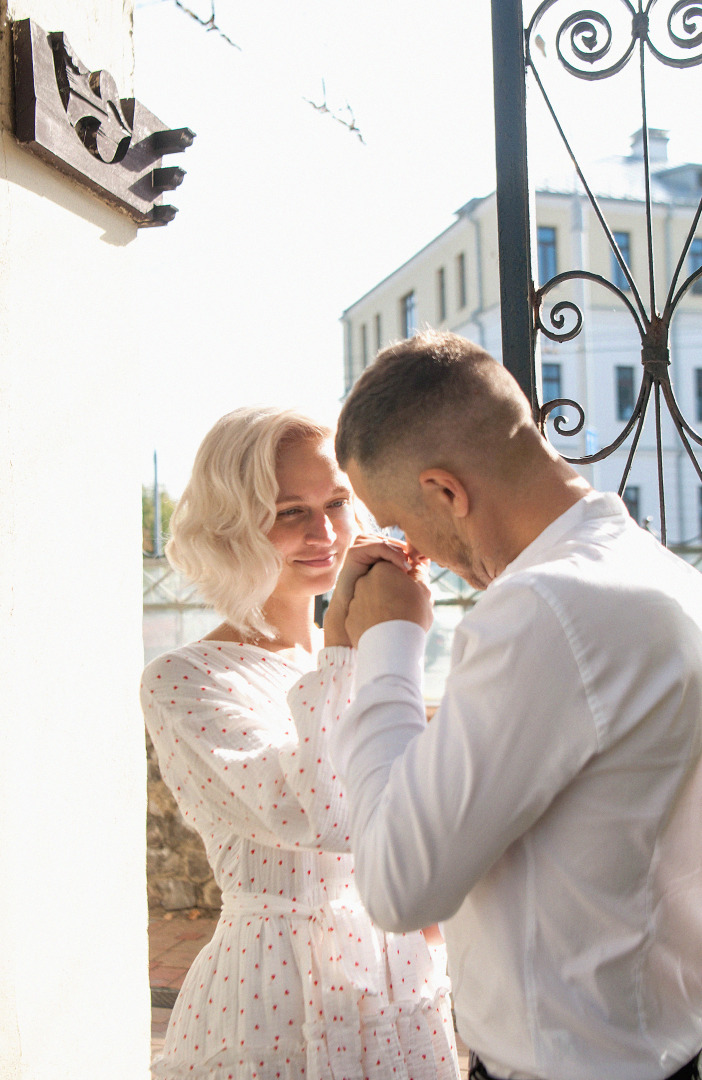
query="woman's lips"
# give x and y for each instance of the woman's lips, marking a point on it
(320, 560)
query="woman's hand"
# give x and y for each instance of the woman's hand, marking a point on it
(384, 594)
(364, 553)
(433, 934)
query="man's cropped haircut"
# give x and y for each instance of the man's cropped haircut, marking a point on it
(219, 527)
(412, 386)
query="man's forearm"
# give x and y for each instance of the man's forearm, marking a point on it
(385, 717)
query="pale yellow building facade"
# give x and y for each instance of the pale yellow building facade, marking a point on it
(452, 283)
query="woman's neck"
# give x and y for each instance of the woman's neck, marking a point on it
(291, 617)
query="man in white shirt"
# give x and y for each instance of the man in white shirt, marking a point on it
(550, 814)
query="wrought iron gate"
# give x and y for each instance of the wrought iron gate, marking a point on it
(590, 46)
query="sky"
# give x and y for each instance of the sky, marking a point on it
(285, 217)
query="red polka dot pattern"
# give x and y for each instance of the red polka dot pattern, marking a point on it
(297, 983)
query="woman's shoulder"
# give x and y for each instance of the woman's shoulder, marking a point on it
(204, 656)
(196, 678)
(234, 668)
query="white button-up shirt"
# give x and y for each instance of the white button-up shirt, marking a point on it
(550, 815)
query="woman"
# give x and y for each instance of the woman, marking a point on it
(296, 981)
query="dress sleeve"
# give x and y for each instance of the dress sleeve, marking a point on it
(441, 804)
(232, 760)
(316, 702)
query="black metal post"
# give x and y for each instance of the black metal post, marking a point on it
(509, 81)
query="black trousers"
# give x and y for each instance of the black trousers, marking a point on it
(477, 1071)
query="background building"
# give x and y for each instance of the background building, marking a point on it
(453, 284)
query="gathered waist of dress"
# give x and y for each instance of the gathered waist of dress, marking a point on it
(246, 903)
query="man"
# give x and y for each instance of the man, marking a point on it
(550, 814)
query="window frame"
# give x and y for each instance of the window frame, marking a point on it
(633, 501)
(441, 293)
(623, 410)
(364, 346)
(623, 242)
(694, 262)
(461, 280)
(408, 314)
(546, 252)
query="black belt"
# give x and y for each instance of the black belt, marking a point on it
(477, 1071)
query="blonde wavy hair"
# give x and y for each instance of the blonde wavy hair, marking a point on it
(219, 527)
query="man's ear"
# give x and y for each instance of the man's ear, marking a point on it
(443, 490)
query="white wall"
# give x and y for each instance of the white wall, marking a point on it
(74, 1002)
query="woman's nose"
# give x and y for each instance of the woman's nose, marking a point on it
(412, 551)
(320, 528)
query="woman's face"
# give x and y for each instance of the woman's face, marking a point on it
(315, 521)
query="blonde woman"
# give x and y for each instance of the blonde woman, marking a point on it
(296, 982)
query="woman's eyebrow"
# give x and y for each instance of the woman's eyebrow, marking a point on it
(299, 498)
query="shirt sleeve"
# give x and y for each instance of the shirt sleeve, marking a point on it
(227, 758)
(433, 807)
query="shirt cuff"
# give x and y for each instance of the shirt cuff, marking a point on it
(395, 647)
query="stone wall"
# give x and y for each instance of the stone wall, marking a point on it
(178, 874)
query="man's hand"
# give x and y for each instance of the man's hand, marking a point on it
(364, 553)
(385, 592)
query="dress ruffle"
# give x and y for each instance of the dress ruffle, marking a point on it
(384, 1014)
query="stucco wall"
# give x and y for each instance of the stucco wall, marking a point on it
(74, 1000)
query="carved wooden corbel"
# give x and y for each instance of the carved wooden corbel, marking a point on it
(74, 119)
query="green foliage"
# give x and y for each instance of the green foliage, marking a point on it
(147, 517)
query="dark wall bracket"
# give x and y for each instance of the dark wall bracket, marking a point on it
(75, 120)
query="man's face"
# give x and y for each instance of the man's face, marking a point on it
(425, 533)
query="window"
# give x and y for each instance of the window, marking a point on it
(461, 277)
(631, 501)
(378, 333)
(623, 241)
(551, 381)
(441, 293)
(698, 392)
(694, 261)
(625, 392)
(546, 247)
(408, 313)
(699, 512)
(551, 385)
(364, 346)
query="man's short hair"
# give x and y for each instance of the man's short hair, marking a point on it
(428, 389)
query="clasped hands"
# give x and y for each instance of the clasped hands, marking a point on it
(378, 582)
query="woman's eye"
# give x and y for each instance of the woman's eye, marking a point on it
(338, 503)
(289, 513)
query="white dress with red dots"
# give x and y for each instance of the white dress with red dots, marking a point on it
(296, 982)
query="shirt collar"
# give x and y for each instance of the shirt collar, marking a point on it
(596, 504)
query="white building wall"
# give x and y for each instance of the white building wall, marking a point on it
(74, 997)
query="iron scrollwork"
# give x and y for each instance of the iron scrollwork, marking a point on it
(594, 45)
